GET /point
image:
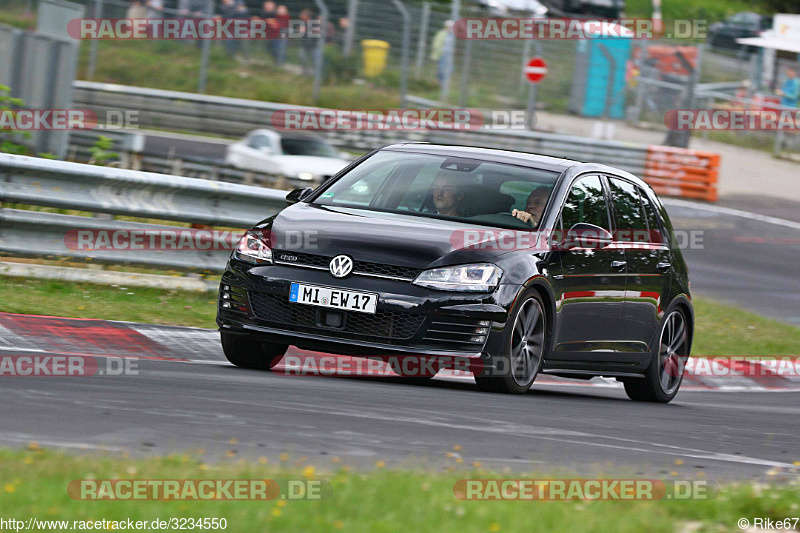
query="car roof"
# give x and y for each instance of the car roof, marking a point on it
(569, 167)
(285, 134)
(492, 155)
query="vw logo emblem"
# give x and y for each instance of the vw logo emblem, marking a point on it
(340, 266)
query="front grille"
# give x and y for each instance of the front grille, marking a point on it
(457, 333)
(382, 326)
(359, 267)
(392, 271)
(302, 259)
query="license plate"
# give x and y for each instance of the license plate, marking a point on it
(363, 302)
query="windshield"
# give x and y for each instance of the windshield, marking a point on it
(313, 147)
(468, 190)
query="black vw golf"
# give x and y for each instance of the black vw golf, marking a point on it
(519, 263)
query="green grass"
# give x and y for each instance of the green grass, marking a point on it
(86, 300)
(35, 481)
(720, 329)
(727, 330)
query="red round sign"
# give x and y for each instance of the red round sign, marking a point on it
(535, 70)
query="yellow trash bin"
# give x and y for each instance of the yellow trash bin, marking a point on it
(375, 54)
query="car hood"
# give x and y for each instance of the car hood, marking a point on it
(377, 237)
(291, 165)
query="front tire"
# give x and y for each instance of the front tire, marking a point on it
(664, 376)
(245, 352)
(524, 348)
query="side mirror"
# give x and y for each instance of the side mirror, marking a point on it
(298, 195)
(583, 235)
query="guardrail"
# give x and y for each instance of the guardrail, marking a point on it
(131, 156)
(177, 111)
(102, 190)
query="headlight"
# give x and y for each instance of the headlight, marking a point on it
(470, 278)
(307, 176)
(253, 249)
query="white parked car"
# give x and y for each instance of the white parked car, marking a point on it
(295, 155)
(508, 8)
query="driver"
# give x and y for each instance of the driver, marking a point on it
(447, 194)
(534, 206)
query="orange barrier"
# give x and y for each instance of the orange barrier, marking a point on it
(682, 172)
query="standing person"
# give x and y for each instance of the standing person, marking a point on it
(195, 9)
(155, 10)
(231, 9)
(444, 43)
(282, 41)
(341, 35)
(307, 44)
(269, 13)
(136, 10)
(790, 91)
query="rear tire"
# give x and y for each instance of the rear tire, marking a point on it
(246, 352)
(525, 344)
(664, 376)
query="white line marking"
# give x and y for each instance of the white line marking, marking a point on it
(59, 444)
(733, 212)
(16, 349)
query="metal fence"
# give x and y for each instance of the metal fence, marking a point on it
(485, 73)
(30, 181)
(171, 110)
(39, 68)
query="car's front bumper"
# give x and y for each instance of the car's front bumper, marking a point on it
(254, 300)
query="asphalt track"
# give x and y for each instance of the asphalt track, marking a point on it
(173, 406)
(740, 257)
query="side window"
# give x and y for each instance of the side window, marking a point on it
(362, 192)
(654, 227)
(586, 203)
(631, 224)
(258, 141)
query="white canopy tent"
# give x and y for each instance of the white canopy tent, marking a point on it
(772, 42)
(784, 37)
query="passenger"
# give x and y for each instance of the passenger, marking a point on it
(447, 194)
(534, 206)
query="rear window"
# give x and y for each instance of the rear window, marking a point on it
(313, 147)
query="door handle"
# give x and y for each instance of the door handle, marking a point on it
(619, 265)
(664, 266)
